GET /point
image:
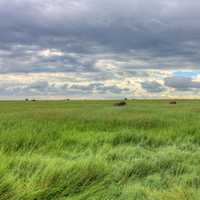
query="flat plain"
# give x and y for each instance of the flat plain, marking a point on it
(92, 150)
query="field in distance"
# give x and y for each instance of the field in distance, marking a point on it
(92, 150)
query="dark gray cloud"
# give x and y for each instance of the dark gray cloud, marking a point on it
(182, 83)
(45, 88)
(163, 34)
(104, 40)
(34, 88)
(99, 88)
(152, 86)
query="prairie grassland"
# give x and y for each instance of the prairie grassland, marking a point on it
(91, 150)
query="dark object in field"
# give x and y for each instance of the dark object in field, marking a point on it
(125, 99)
(33, 100)
(172, 102)
(26, 99)
(121, 103)
(67, 99)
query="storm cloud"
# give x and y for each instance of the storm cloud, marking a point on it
(152, 86)
(182, 83)
(111, 42)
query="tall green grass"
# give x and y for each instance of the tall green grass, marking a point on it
(77, 150)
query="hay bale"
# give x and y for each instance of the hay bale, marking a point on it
(121, 103)
(172, 102)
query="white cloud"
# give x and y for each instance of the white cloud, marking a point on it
(50, 52)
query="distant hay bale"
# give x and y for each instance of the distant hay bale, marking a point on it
(121, 103)
(172, 102)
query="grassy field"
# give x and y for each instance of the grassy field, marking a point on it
(91, 150)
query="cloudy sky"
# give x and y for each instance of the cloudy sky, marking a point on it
(99, 49)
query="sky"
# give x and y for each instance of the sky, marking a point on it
(54, 49)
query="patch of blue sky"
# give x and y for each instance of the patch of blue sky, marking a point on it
(186, 73)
